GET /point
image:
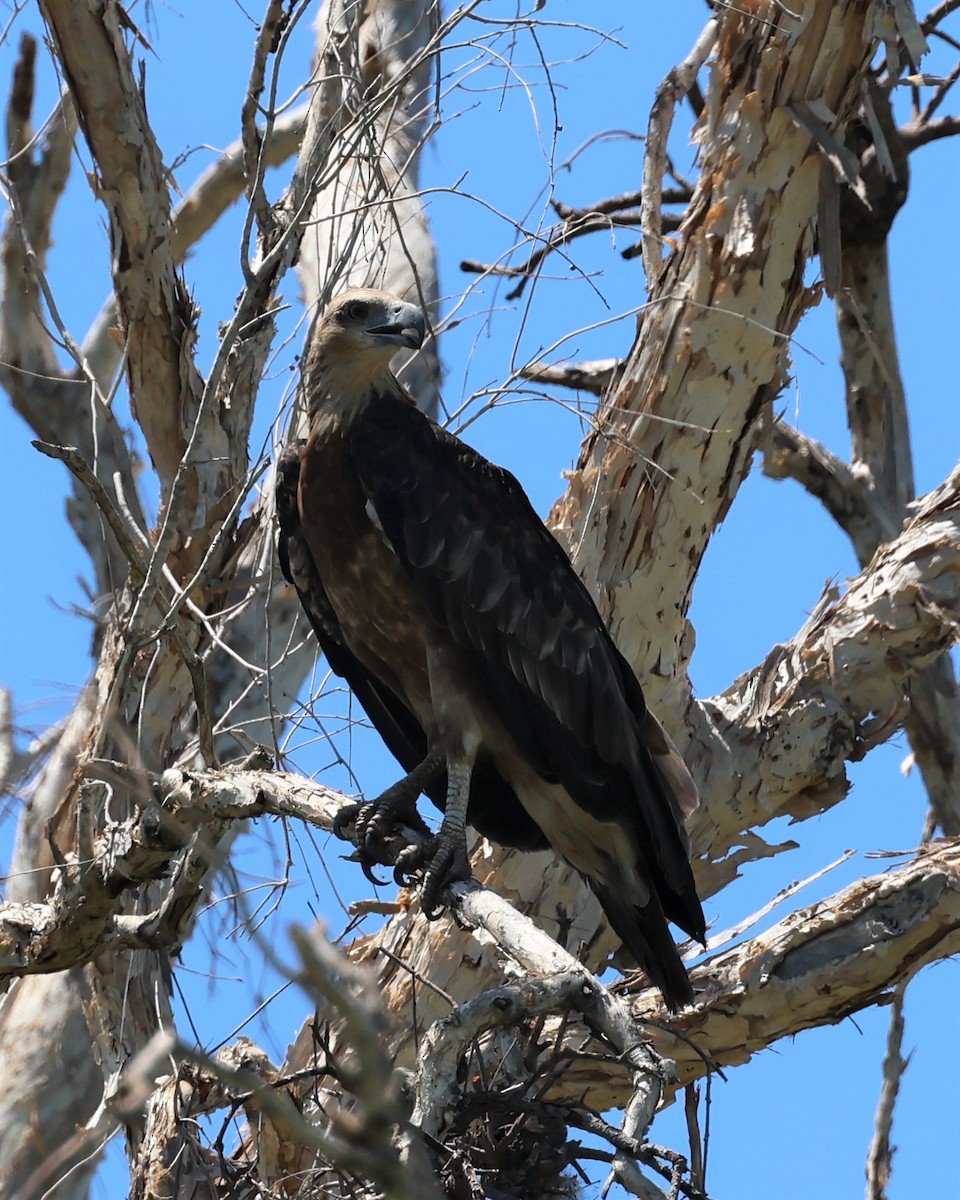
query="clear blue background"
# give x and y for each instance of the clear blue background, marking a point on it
(798, 1119)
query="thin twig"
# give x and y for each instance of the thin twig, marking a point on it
(615, 204)
(691, 1102)
(880, 1154)
(940, 94)
(266, 44)
(130, 538)
(559, 235)
(938, 14)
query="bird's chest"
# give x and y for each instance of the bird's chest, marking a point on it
(382, 618)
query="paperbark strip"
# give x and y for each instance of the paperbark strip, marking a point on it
(777, 742)
(156, 312)
(713, 345)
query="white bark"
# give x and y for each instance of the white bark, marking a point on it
(144, 705)
(107, 891)
(815, 967)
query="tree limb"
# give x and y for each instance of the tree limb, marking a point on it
(775, 744)
(880, 1154)
(791, 454)
(156, 312)
(596, 377)
(816, 967)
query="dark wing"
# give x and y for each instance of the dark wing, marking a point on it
(491, 572)
(494, 809)
(395, 723)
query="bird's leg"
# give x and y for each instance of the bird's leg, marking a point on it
(374, 820)
(445, 856)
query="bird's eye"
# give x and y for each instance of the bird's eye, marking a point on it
(356, 310)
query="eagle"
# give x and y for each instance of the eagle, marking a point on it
(462, 629)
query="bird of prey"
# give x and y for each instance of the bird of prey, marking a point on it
(456, 618)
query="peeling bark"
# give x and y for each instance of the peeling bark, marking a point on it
(131, 811)
(816, 967)
(141, 705)
(157, 318)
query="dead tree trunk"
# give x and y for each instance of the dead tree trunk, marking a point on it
(132, 809)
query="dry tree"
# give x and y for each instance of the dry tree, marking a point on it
(482, 1055)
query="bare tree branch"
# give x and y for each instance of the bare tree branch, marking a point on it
(915, 135)
(836, 689)
(220, 186)
(790, 454)
(574, 226)
(596, 377)
(818, 965)
(880, 1154)
(157, 314)
(59, 407)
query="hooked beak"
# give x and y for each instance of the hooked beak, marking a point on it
(407, 329)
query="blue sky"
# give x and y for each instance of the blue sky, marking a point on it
(764, 571)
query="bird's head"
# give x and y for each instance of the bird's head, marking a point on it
(353, 342)
(366, 321)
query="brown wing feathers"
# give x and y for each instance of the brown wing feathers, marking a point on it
(499, 581)
(494, 809)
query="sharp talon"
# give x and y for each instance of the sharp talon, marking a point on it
(357, 857)
(370, 836)
(373, 825)
(368, 872)
(433, 883)
(346, 816)
(411, 860)
(448, 864)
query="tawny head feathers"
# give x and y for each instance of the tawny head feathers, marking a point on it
(354, 341)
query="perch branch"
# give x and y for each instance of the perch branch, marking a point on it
(189, 814)
(597, 377)
(817, 966)
(561, 983)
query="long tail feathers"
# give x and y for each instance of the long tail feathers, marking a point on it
(645, 933)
